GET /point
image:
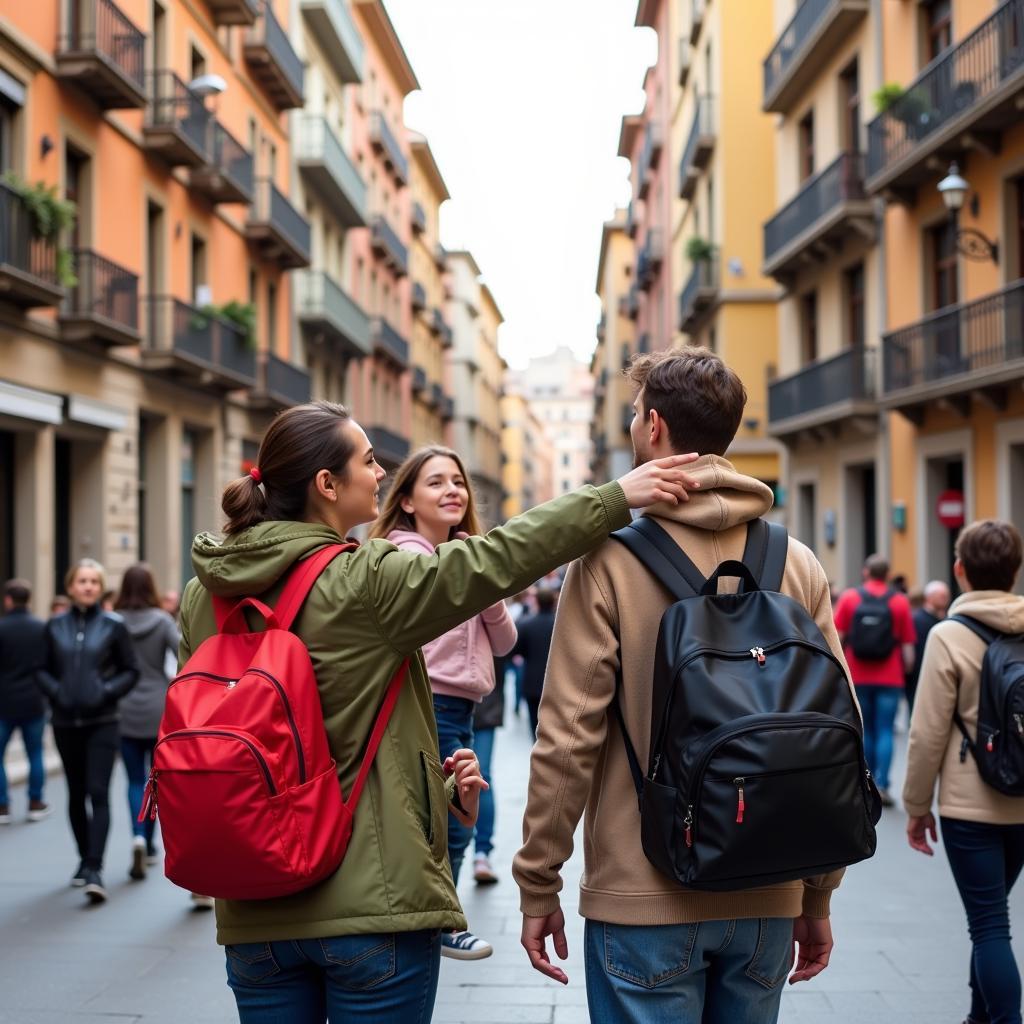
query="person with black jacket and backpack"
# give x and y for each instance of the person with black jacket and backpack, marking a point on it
(876, 626)
(967, 733)
(709, 948)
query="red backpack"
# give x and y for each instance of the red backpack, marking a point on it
(249, 798)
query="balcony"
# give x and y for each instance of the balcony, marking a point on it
(192, 344)
(440, 257)
(385, 143)
(448, 408)
(325, 310)
(649, 259)
(698, 8)
(685, 62)
(104, 55)
(419, 380)
(602, 327)
(329, 169)
(388, 246)
(649, 156)
(970, 348)
(825, 392)
(279, 384)
(419, 296)
(389, 448)
(336, 33)
(273, 61)
(233, 12)
(176, 127)
(28, 265)
(699, 146)
(963, 99)
(277, 229)
(819, 218)
(437, 396)
(629, 304)
(699, 295)
(805, 47)
(388, 342)
(440, 327)
(104, 303)
(227, 177)
(418, 218)
(632, 223)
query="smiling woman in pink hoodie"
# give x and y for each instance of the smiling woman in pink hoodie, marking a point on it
(431, 502)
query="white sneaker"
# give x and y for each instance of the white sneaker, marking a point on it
(201, 902)
(137, 871)
(483, 873)
(464, 946)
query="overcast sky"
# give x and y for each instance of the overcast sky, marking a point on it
(522, 104)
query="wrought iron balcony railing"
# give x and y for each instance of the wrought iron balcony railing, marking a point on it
(384, 141)
(336, 32)
(324, 306)
(273, 60)
(278, 228)
(103, 303)
(837, 386)
(324, 162)
(699, 294)
(389, 341)
(176, 126)
(227, 176)
(699, 146)
(386, 243)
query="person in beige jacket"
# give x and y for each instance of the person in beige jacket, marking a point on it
(656, 951)
(982, 830)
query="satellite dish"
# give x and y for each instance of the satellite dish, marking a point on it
(207, 85)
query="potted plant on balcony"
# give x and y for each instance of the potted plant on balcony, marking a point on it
(911, 106)
(699, 250)
(49, 218)
(241, 314)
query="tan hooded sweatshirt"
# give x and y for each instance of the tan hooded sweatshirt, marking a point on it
(579, 759)
(951, 680)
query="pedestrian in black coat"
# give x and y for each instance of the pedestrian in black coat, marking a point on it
(533, 645)
(22, 708)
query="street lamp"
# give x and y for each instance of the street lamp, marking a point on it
(969, 241)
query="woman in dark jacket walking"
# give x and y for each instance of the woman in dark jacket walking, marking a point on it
(90, 666)
(154, 634)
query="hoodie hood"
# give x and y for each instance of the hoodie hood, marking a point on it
(142, 621)
(993, 608)
(724, 499)
(410, 540)
(252, 561)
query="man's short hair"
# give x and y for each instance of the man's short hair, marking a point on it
(19, 591)
(990, 551)
(877, 567)
(700, 399)
(546, 598)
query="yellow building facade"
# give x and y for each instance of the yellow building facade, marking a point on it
(527, 456)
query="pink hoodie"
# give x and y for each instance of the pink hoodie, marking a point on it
(460, 663)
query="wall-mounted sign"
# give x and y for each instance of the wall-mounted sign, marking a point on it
(950, 509)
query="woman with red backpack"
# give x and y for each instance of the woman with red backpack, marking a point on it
(365, 942)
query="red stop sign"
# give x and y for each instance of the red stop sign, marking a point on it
(950, 509)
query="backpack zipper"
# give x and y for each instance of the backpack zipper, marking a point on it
(740, 804)
(253, 749)
(263, 674)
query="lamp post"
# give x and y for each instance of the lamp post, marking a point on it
(969, 241)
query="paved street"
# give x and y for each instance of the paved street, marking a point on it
(145, 957)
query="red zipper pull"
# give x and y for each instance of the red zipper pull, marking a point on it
(688, 834)
(740, 804)
(990, 745)
(148, 808)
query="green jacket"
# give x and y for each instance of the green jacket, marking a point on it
(369, 610)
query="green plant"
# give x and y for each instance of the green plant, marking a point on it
(241, 314)
(883, 98)
(50, 217)
(699, 250)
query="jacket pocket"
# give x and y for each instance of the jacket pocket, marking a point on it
(437, 799)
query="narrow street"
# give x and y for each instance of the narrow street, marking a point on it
(901, 943)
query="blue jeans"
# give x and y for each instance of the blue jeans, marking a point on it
(986, 860)
(138, 759)
(32, 737)
(715, 972)
(878, 705)
(454, 716)
(374, 979)
(483, 746)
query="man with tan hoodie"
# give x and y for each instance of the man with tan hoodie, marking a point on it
(655, 951)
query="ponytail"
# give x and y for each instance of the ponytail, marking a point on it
(244, 503)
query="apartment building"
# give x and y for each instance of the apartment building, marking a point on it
(528, 463)
(137, 371)
(331, 156)
(381, 387)
(431, 335)
(616, 345)
(821, 245)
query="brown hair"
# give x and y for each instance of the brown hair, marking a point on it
(990, 551)
(394, 517)
(877, 567)
(19, 591)
(700, 399)
(138, 589)
(299, 443)
(85, 563)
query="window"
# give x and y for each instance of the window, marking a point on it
(140, 484)
(12, 99)
(76, 188)
(565, 460)
(189, 449)
(200, 289)
(809, 327)
(938, 27)
(853, 286)
(942, 255)
(806, 145)
(158, 40)
(197, 63)
(272, 317)
(849, 86)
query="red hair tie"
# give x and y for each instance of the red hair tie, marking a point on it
(256, 474)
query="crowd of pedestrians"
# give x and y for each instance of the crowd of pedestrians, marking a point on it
(457, 615)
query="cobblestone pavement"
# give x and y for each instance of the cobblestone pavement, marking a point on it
(901, 943)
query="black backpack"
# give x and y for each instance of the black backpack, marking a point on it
(871, 633)
(999, 748)
(756, 772)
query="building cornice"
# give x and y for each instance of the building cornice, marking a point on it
(425, 157)
(383, 29)
(631, 125)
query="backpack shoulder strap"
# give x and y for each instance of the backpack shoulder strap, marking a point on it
(300, 582)
(765, 553)
(662, 557)
(634, 761)
(980, 630)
